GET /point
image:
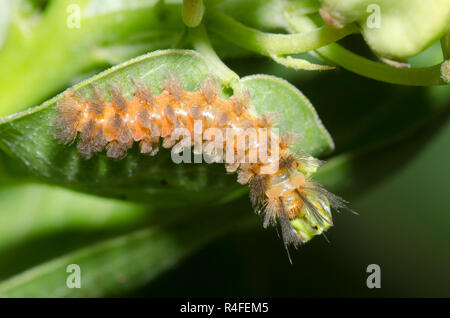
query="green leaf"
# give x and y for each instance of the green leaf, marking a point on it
(28, 137)
(118, 265)
(272, 94)
(420, 76)
(356, 172)
(121, 264)
(445, 44)
(5, 18)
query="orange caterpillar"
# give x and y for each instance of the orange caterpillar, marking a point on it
(288, 195)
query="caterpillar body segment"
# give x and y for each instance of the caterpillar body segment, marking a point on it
(281, 188)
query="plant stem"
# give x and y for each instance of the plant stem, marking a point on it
(270, 43)
(424, 76)
(201, 43)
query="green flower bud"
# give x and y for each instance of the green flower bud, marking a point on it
(445, 71)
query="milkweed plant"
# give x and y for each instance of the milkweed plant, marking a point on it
(121, 87)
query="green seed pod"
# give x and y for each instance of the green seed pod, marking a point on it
(393, 29)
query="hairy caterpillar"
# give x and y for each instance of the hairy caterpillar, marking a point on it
(287, 194)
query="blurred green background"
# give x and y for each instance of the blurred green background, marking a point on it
(403, 226)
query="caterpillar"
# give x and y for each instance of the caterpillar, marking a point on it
(286, 195)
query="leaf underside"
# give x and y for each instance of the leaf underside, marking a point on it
(157, 180)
